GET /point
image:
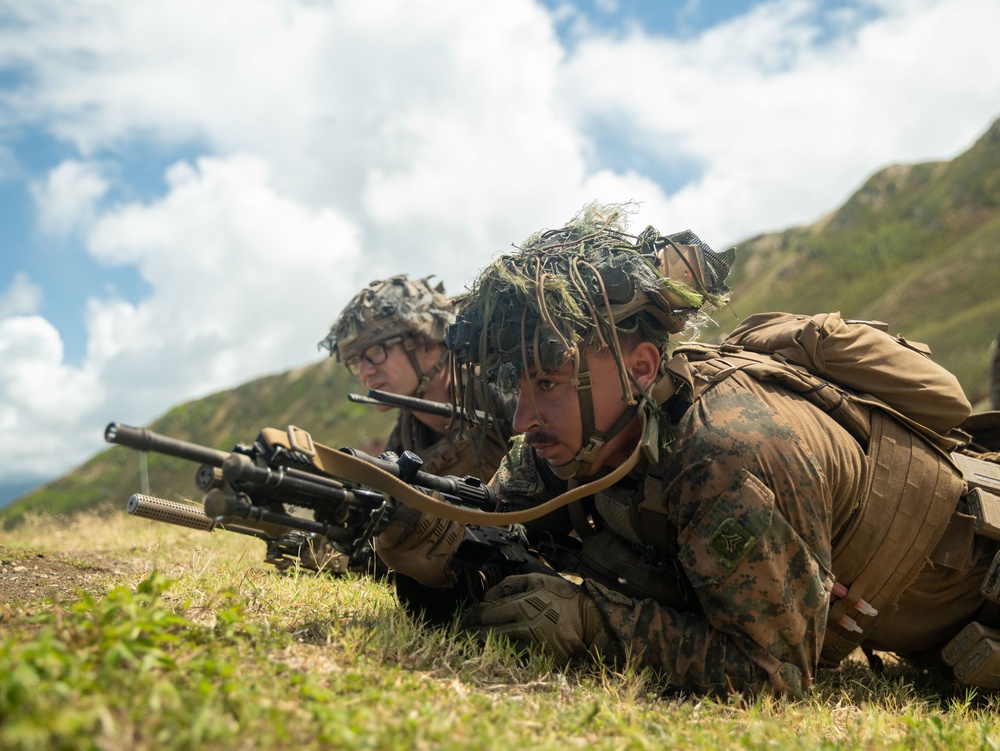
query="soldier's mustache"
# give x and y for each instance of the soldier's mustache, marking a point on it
(537, 437)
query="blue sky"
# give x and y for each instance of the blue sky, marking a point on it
(190, 192)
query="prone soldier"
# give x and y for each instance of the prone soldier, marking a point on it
(391, 335)
(745, 522)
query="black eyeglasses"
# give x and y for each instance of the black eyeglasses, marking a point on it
(374, 355)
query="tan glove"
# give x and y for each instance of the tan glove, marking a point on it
(420, 546)
(549, 611)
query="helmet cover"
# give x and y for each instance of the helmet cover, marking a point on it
(586, 284)
(397, 306)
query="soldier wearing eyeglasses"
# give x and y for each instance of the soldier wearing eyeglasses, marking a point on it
(391, 335)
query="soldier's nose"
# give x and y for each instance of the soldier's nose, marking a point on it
(525, 417)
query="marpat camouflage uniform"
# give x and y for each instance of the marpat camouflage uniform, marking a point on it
(757, 486)
(716, 559)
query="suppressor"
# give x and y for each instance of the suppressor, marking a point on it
(158, 509)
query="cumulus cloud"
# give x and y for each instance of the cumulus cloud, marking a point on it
(242, 283)
(43, 399)
(334, 143)
(242, 278)
(67, 198)
(437, 126)
(786, 110)
(22, 297)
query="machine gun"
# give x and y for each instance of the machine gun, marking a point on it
(269, 489)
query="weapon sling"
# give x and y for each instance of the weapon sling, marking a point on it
(346, 467)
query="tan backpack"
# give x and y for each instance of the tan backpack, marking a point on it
(862, 377)
(863, 357)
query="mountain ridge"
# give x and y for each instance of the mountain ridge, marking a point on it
(312, 396)
(915, 246)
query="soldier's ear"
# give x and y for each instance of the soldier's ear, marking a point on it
(644, 363)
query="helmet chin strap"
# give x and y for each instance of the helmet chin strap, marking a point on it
(593, 440)
(423, 379)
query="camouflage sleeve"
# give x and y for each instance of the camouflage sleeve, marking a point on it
(751, 507)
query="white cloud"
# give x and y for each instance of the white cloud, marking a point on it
(783, 127)
(242, 279)
(44, 406)
(22, 297)
(435, 125)
(67, 198)
(341, 142)
(244, 282)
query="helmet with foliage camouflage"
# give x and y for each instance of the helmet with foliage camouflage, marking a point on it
(397, 307)
(587, 284)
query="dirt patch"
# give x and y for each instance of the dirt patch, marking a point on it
(32, 577)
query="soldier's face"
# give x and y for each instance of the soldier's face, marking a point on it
(394, 374)
(548, 412)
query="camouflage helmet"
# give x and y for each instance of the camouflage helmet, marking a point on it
(587, 284)
(397, 306)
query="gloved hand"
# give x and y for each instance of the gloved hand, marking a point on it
(420, 546)
(549, 611)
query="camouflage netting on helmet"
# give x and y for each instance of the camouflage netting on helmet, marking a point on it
(396, 306)
(589, 283)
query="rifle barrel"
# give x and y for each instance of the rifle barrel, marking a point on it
(141, 439)
(362, 399)
(414, 404)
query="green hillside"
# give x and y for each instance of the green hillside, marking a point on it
(313, 397)
(917, 246)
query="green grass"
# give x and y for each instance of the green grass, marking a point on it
(199, 645)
